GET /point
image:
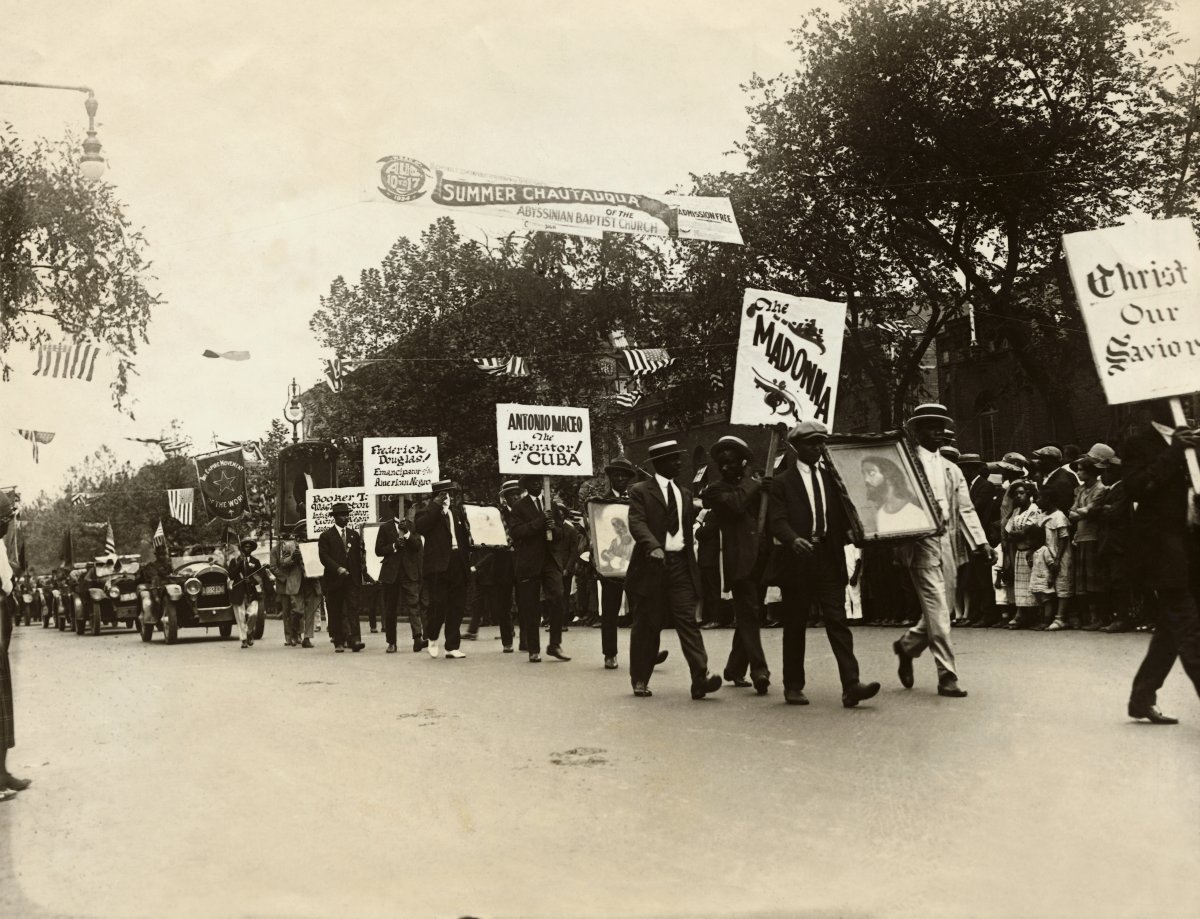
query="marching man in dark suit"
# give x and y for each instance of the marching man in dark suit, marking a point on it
(538, 570)
(663, 574)
(244, 573)
(341, 551)
(806, 517)
(399, 545)
(443, 524)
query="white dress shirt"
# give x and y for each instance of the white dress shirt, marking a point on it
(808, 475)
(450, 523)
(932, 462)
(674, 541)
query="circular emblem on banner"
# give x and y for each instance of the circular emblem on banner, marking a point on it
(401, 178)
(607, 366)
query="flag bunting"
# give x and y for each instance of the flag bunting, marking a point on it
(67, 361)
(642, 361)
(503, 366)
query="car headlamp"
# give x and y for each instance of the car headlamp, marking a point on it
(114, 592)
(192, 587)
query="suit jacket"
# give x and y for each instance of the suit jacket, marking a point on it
(735, 509)
(401, 553)
(432, 524)
(986, 496)
(790, 516)
(527, 528)
(337, 554)
(648, 525)
(241, 568)
(1161, 547)
(289, 566)
(926, 552)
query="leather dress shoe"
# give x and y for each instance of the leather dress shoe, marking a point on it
(642, 691)
(306, 644)
(535, 658)
(858, 692)
(739, 681)
(1151, 714)
(708, 625)
(662, 657)
(610, 663)
(905, 668)
(795, 697)
(760, 685)
(557, 653)
(951, 690)
(710, 683)
(391, 649)
(508, 649)
(12, 783)
(419, 644)
(357, 646)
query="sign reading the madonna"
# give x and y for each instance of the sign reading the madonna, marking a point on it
(399, 465)
(580, 211)
(543, 440)
(319, 501)
(788, 359)
(222, 479)
(1138, 288)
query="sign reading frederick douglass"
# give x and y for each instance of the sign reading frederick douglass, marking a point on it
(1138, 288)
(788, 359)
(319, 501)
(222, 479)
(399, 465)
(557, 208)
(543, 440)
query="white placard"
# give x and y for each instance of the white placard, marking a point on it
(487, 526)
(399, 465)
(310, 554)
(318, 501)
(788, 359)
(370, 533)
(1138, 288)
(543, 440)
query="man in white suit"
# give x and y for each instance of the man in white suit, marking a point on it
(931, 560)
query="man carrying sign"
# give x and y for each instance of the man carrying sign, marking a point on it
(538, 572)
(341, 550)
(443, 524)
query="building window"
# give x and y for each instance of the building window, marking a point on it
(985, 413)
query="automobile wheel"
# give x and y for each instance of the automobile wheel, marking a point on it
(170, 624)
(147, 630)
(225, 629)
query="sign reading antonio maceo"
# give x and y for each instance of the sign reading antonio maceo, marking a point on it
(543, 440)
(1138, 288)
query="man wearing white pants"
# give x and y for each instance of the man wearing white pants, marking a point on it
(244, 573)
(932, 561)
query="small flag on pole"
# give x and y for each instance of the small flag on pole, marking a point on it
(180, 501)
(110, 542)
(229, 355)
(641, 361)
(628, 399)
(36, 438)
(160, 537)
(334, 374)
(67, 361)
(503, 366)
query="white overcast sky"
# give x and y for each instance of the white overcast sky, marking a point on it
(242, 138)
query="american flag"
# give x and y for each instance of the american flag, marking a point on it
(110, 542)
(81, 500)
(251, 450)
(36, 438)
(501, 366)
(68, 360)
(175, 446)
(334, 373)
(628, 399)
(160, 537)
(181, 501)
(641, 361)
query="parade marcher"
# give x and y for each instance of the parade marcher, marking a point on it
(299, 592)
(537, 570)
(734, 502)
(808, 521)
(620, 473)
(245, 573)
(1089, 579)
(662, 574)
(447, 563)
(931, 559)
(9, 783)
(402, 551)
(1165, 546)
(341, 552)
(978, 595)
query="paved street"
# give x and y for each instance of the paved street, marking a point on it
(204, 780)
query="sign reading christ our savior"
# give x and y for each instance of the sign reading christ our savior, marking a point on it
(1138, 288)
(399, 465)
(543, 440)
(788, 359)
(580, 211)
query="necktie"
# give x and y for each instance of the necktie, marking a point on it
(538, 501)
(818, 506)
(672, 511)
(345, 539)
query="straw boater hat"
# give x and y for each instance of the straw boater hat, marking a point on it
(808, 430)
(444, 485)
(930, 411)
(510, 485)
(248, 542)
(970, 459)
(621, 464)
(664, 449)
(951, 453)
(736, 444)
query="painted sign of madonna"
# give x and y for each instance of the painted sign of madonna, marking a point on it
(788, 359)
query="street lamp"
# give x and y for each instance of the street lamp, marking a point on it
(293, 411)
(91, 163)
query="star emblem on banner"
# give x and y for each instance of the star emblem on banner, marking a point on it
(224, 481)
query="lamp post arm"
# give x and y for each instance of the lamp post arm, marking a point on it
(77, 89)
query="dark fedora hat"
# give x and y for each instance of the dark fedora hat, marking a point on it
(729, 442)
(970, 459)
(248, 542)
(664, 449)
(621, 464)
(444, 485)
(341, 507)
(930, 411)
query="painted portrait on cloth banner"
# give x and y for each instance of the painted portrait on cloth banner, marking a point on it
(612, 543)
(886, 493)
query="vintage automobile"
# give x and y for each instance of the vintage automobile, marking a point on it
(195, 594)
(110, 594)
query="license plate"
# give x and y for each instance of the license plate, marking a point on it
(128, 596)
(213, 589)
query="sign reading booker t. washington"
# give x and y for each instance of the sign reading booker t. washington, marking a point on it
(223, 483)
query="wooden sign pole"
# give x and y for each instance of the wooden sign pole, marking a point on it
(772, 450)
(546, 503)
(1190, 454)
